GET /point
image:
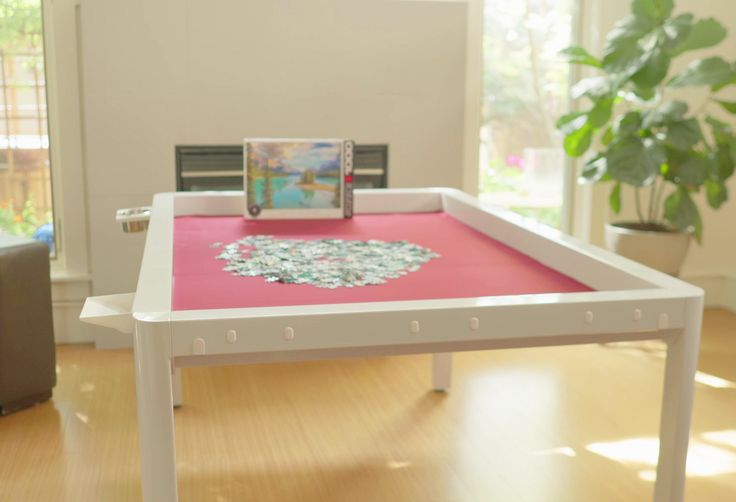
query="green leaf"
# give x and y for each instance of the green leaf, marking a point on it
(710, 71)
(722, 161)
(687, 168)
(644, 93)
(622, 52)
(567, 123)
(676, 30)
(716, 193)
(704, 33)
(658, 10)
(654, 68)
(601, 112)
(624, 59)
(729, 106)
(578, 55)
(630, 161)
(656, 153)
(614, 200)
(718, 87)
(586, 85)
(683, 214)
(596, 88)
(579, 141)
(671, 111)
(593, 170)
(607, 136)
(683, 134)
(722, 132)
(628, 123)
(718, 125)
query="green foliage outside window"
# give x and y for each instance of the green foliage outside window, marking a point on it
(21, 51)
(21, 27)
(24, 223)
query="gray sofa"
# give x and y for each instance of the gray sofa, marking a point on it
(27, 352)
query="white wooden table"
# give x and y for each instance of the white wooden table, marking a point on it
(629, 302)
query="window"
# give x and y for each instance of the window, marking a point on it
(26, 205)
(522, 164)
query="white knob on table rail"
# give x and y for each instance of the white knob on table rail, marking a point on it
(589, 317)
(198, 347)
(474, 323)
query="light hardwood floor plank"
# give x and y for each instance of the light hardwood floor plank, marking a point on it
(537, 425)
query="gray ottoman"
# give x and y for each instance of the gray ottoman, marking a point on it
(27, 357)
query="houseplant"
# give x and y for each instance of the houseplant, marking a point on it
(646, 135)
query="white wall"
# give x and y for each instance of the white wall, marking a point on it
(716, 257)
(161, 73)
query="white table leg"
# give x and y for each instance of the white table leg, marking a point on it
(677, 406)
(441, 371)
(152, 345)
(176, 390)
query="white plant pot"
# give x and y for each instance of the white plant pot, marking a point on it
(664, 251)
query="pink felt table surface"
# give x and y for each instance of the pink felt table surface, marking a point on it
(471, 264)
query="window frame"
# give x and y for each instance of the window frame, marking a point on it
(63, 98)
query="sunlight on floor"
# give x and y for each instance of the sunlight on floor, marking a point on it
(87, 387)
(724, 438)
(398, 464)
(563, 450)
(702, 460)
(82, 417)
(657, 349)
(713, 381)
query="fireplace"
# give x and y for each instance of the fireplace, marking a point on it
(220, 167)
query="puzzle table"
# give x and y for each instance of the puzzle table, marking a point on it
(501, 281)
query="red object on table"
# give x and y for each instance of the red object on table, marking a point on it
(471, 264)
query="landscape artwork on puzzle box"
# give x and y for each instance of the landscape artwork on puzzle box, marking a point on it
(294, 174)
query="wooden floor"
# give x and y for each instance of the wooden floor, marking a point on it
(558, 424)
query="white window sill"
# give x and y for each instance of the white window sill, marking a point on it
(61, 276)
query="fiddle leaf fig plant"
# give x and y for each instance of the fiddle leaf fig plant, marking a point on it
(646, 136)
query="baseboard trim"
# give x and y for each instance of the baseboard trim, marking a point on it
(67, 299)
(67, 326)
(720, 290)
